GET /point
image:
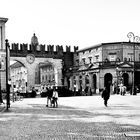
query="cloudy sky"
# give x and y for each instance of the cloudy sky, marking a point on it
(81, 23)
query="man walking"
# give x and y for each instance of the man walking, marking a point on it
(106, 95)
(49, 96)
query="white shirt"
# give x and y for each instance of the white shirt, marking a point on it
(55, 94)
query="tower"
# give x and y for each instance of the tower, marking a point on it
(34, 42)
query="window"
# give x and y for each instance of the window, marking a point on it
(97, 58)
(43, 78)
(90, 58)
(77, 62)
(130, 55)
(106, 60)
(118, 59)
(46, 77)
(83, 59)
(112, 57)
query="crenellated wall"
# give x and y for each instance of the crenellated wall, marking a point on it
(43, 54)
(34, 48)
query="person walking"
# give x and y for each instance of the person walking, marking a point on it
(106, 95)
(55, 98)
(121, 88)
(33, 92)
(49, 96)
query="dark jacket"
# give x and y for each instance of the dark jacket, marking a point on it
(105, 94)
(49, 93)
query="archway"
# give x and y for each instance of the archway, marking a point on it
(137, 77)
(107, 80)
(94, 83)
(80, 83)
(86, 84)
(125, 79)
(47, 74)
(68, 82)
(18, 76)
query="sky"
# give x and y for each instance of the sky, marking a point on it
(82, 23)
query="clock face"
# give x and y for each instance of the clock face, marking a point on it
(30, 58)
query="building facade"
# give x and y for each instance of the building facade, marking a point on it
(2, 54)
(18, 74)
(46, 65)
(107, 63)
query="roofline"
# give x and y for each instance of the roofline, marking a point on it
(88, 48)
(109, 43)
(3, 19)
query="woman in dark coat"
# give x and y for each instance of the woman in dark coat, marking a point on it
(106, 95)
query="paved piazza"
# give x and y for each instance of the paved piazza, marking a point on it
(76, 118)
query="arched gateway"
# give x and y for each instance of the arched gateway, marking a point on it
(34, 68)
(35, 57)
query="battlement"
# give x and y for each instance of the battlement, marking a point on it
(41, 48)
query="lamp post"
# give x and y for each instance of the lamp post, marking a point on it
(134, 39)
(1, 63)
(7, 74)
(117, 72)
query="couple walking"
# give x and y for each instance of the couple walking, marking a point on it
(52, 97)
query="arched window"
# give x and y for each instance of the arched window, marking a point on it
(106, 60)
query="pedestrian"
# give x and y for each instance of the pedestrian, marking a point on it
(55, 98)
(105, 95)
(49, 96)
(33, 92)
(121, 88)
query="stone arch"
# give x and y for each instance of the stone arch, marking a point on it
(68, 82)
(80, 83)
(125, 79)
(17, 80)
(94, 82)
(21, 60)
(137, 77)
(108, 79)
(57, 67)
(32, 68)
(86, 84)
(47, 70)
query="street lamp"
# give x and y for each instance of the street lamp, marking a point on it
(8, 83)
(117, 73)
(134, 39)
(1, 63)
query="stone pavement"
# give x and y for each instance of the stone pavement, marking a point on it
(78, 118)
